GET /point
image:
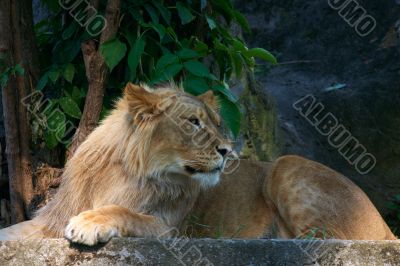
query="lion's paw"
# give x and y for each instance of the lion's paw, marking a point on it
(89, 228)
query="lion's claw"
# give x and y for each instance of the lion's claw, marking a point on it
(89, 229)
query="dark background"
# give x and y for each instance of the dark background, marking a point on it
(316, 49)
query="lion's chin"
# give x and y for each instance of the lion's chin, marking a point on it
(207, 179)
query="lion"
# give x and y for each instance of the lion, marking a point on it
(292, 197)
(157, 161)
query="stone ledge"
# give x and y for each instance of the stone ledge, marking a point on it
(182, 251)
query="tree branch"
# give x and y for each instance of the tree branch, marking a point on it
(97, 74)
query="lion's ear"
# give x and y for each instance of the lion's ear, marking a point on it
(142, 103)
(210, 100)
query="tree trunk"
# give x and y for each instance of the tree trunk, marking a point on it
(17, 44)
(13, 152)
(26, 54)
(10, 117)
(96, 73)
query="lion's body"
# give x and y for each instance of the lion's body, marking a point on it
(293, 197)
(140, 174)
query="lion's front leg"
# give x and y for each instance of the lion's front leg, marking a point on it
(101, 224)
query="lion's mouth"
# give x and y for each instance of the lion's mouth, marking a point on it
(192, 170)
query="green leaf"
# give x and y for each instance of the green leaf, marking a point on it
(392, 206)
(61, 132)
(136, 14)
(50, 139)
(238, 45)
(77, 95)
(165, 13)
(165, 60)
(201, 48)
(172, 34)
(225, 33)
(230, 113)
(250, 61)
(130, 37)
(223, 66)
(69, 31)
(69, 72)
(54, 74)
(218, 45)
(55, 119)
(152, 12)
(52, 104)
(196, 68)
(223, 7)
(212, 77)
(211, 23)
(187, 53)
(70, 107)
(19, 69)
(167, 73)
(67, 94)
(195, 86)
(135, 54)
(223, 88)
(42, 82)
(113, 51)
(53, 136)
(184, 13)
(4, 80)
(160, 29)
(262, 54)
(66, 50)
(237, 62)
(52, 5)
(242, 21)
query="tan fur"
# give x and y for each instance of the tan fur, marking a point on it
(293, 197)
(131, 178)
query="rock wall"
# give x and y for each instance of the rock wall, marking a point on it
(356, 78)
(131, 251)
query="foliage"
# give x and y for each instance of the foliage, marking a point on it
(314, 233)
(157, 41)
(12, 70)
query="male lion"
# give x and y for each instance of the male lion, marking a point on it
(159, 156)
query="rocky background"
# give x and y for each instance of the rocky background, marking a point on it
(356, 78)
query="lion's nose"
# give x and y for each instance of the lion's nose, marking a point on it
(223, 150)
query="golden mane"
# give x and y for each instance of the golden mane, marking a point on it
(116, 142)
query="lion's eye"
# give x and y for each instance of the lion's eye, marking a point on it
(194, 121)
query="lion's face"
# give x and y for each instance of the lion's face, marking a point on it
(185, 138)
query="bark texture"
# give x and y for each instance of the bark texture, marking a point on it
(96, 73)
(17, 45)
